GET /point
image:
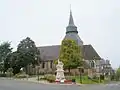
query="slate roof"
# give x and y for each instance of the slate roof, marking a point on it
(49, 52)
(52, 52)
(75, 37)
(89, 53)
(72, 32)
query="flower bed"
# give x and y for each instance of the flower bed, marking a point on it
(68, 81)
(65, 82)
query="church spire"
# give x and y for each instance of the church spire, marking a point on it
(71, 26)
(72, 32)
(71, 21)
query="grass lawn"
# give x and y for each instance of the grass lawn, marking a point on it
(85, 80)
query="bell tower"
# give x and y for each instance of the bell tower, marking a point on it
(72, 32)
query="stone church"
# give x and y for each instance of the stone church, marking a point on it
(50, 53)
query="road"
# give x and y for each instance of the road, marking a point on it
(24, 85)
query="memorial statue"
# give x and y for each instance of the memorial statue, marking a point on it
(60, 72)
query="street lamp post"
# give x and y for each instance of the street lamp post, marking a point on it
(99, 74)
(80, 71)
(38, 69)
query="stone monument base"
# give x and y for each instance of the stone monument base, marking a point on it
(64, 82)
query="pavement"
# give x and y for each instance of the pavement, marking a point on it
(34, 80)
(10, 84)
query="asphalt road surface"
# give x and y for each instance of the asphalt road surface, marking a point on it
(24, 85)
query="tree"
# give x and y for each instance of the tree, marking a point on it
(118, 74)
(12, 62)
(70, 54)
(28, 53)
(5, 51)
(7, 62)
(1, 67)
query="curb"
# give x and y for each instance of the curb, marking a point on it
(40, 82)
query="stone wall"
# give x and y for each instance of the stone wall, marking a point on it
(50, 67)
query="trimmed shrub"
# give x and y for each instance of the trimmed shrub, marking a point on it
(21, 76)
(3, 75)
(50, 78)
(9, 74)
(43, 78)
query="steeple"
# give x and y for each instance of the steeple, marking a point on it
(71, 21)
(71, 26)
(71, 31)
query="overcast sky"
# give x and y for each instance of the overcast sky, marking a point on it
(45, 21)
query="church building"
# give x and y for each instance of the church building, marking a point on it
(50, 53)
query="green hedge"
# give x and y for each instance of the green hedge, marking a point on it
(8, 74)
(3, 75)
(50, 78)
